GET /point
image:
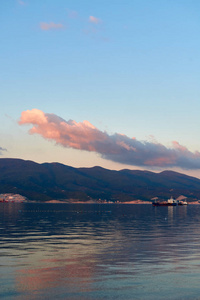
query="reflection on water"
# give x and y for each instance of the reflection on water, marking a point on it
(74, 251)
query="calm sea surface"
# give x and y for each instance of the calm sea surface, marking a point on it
(91, 251)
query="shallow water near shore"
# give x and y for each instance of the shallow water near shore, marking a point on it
(99, 251)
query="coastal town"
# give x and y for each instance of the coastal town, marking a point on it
(17, 198)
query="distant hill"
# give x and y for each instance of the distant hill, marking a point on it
(57, 181)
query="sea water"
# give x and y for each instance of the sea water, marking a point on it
(99, 251)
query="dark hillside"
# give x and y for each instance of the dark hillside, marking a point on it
(57, 181)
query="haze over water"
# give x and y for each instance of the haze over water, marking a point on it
(91, 251)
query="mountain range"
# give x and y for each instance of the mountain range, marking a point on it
(48, 181)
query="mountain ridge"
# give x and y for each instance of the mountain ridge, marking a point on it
(47, 181)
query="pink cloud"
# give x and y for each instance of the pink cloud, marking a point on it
(161, 161)
(50, 26)
(178, 146)
(94, 20)
(72, 14)
(34, 116)
(21, 2)
(116, 147)
(68, 134)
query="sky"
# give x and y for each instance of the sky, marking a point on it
(108, 83)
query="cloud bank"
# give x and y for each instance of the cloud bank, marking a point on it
(117, 147)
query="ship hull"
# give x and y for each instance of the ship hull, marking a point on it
(164, 204)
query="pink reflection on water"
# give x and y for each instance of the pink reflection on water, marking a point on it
(75, 274)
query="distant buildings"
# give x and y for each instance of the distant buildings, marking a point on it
(12, 198)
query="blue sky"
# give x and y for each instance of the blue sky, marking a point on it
(128, 67)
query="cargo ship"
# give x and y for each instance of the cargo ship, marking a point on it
(169, 202)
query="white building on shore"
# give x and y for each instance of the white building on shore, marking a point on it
(8, 197)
